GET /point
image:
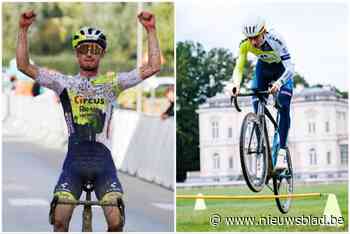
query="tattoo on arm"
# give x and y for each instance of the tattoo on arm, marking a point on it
(153, 64)
(22, 56)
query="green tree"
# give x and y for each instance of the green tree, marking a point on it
(199, 76)
(298, 79)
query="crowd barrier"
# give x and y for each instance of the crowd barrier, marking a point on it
(142, 145)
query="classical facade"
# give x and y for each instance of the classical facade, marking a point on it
(318, 137)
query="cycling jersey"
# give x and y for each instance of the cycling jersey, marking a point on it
(273, 50)
(88, 102)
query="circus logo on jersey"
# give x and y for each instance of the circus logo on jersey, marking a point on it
(81, 100)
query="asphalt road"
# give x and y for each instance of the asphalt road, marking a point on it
(30, 172)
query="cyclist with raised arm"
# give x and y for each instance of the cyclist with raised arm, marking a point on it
(273, 65)
(88, 100)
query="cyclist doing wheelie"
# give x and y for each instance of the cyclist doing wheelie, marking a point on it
(273, 65)
(88, 100)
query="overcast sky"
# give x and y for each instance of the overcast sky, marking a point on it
(316, 33)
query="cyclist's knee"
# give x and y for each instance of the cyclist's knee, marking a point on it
(116, 218)
(59, 215)
(62, 216)
(60, 224)
(284, 98)
(115, 227)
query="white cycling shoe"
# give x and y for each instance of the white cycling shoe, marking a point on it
(281, 163)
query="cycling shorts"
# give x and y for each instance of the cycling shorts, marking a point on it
(88, 162)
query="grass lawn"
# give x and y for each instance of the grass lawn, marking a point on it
(187, 219)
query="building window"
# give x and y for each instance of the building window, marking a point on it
(313, 156)
(327, 126)
(216, 161)
(230, 162)
(329, 158)
(338, 114)
(312, 127)
(230, 132)
(215, 129)
(344, 154)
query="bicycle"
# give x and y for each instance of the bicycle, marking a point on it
(88, 203)
(257, 157)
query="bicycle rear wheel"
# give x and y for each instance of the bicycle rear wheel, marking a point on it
(253, 152)
(283, 185)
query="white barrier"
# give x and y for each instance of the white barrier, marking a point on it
(141, 145)
(147, 148)
(37, 119)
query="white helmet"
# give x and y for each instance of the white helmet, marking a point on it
(253, 26)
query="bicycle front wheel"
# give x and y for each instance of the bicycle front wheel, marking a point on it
(283, 185)
(253, 152)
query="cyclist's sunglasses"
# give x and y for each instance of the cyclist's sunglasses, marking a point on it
(94, 49)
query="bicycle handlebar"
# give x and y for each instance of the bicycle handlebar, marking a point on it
(253, 93)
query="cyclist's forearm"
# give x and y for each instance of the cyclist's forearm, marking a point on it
(22, 56)
(237, 75)
(153, 64)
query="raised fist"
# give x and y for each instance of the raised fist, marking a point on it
(147, 19)
(26, 19)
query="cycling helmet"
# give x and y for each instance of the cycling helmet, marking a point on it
(253, 27)
(89, 34)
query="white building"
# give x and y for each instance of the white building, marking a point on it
(318, 137)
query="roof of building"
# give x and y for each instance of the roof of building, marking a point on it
(317, 91)
(304, 95)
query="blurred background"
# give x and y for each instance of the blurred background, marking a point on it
(34, 131)
(50, 44)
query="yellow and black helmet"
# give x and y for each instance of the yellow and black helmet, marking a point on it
(89, 34)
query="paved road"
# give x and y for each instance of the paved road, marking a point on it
(30, 172)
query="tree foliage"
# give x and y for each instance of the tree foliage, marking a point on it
(199, 76)
(50, 36)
